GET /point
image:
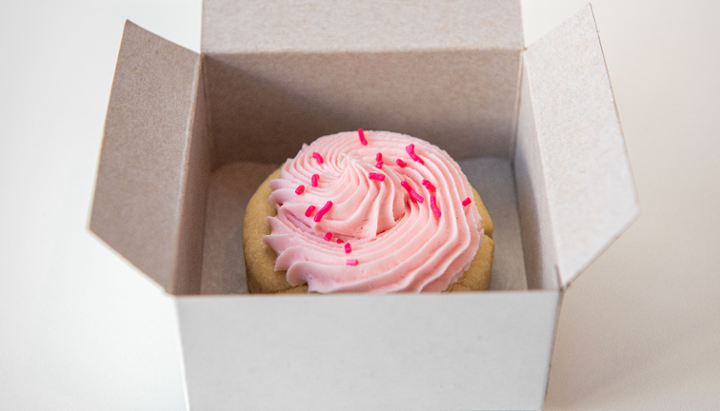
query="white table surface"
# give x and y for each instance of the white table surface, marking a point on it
(80, 329)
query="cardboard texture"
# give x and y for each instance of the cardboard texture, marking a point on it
(537, 232)
(463, 101)
(479, 351)
(449, 73)
(140, 206)
(303, 26)
(589, 187)
(188, 137)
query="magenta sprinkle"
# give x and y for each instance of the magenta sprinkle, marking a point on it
(378, 157)
(411, 150)
(434, 207)
(361, 134)
(317, 157)
(413, 195)
(466, 201)
(428, 185)
(309, 211)
(300, 189)
(352, 262)
(314, 180)
(321, 212)
(376, 176)
(328, 236)
(339, 241)
(347, 248)
(416, 197)
(400, 163)
(379, 164)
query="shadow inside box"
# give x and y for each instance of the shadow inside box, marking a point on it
(264, 105)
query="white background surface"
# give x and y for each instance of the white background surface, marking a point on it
(80, 330)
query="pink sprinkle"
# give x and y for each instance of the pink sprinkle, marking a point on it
(400, 163)
(361, 134)
(378, 157)
(416, 197)
(379, 164)
(428, 185)
(300, 189)
(321, 212)
(317, 157)
(352, 262)
(347, 248)
(413, 195)
(328, 236)
(309, 211)
(376, 176)
(466, 201)
(315, 178)
(434, 207)
(411, 150)
(339, 241)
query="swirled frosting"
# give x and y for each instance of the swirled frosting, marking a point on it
(398, 241)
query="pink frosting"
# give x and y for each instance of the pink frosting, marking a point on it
(400, 244)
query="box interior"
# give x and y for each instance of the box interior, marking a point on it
(542, 121)
(263, 106)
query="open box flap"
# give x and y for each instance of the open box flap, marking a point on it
(143, 171)
(348, 25)
(588, 183)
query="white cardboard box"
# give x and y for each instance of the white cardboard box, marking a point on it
(188, 137)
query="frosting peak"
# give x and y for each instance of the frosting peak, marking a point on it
(367, 198)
